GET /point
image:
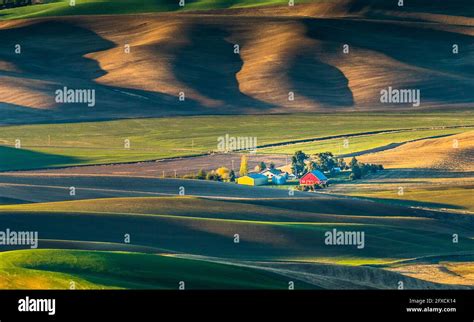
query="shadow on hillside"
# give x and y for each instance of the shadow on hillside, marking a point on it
(54, 52)
(349, 207)
(322, 83)
(54, 49)
(22, 159)
(412, 203)
(440, 75)
(424, 173)
(443, 7)
(209, 66)
(192, 236)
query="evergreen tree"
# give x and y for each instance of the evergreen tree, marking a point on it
(232, 176)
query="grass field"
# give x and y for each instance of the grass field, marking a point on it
(53, 145)
(360, 144)
(276, 230)
(56, 269)
(96, 7)
(195, 238)
(458, 197)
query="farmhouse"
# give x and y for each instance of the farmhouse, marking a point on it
(312, 178)
(253, 179)
(270, 173)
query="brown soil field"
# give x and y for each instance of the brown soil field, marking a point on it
(194, 54)
(454, 153)
(182, 166)
(432, 173)
(447, 273)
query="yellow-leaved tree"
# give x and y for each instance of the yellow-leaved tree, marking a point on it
(244, 167)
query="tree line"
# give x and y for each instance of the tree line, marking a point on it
(302, 163)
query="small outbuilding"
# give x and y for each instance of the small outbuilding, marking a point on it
(313, 178)
(253, 179)
(279, 179)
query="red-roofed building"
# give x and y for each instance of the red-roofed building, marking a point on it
(312, 178)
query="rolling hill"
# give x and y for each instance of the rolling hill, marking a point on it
(453, 153)
(417, 8)
(58, 269)
(434, 173)
(278, 236)
(281, 51)
(173, 80)
(272, 230)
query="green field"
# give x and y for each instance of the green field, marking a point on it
(56, 269)
(54, 145)
(457, 197)
(362, 143)
(95, 7)
(274, 230)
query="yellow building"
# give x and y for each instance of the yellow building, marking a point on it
(253, 179)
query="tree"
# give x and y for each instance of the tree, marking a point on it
(210, 176)
(356, 172)
(223, 173)
(373, 168)
(201, 175)
(365, 168)
(213, 176)
(341, 164)
(298, 164)
(311, 166)
(244, 168)
(353, 162)
(232, 176)
(326, 161)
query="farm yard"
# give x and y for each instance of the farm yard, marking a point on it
(137, 193)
